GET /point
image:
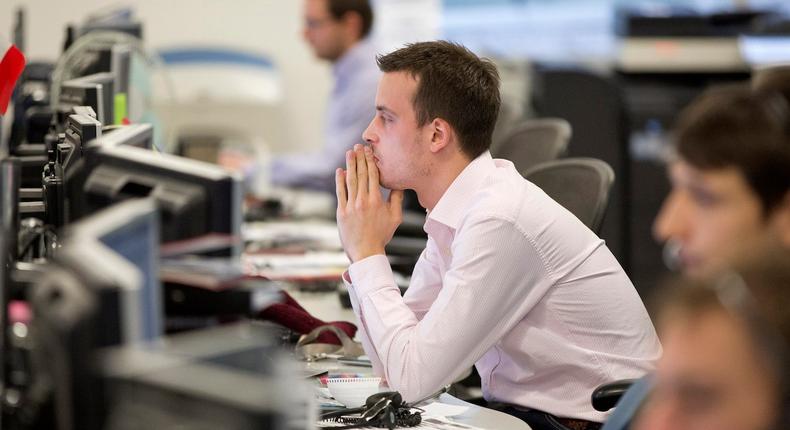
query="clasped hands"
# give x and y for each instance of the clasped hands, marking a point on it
(366, 221)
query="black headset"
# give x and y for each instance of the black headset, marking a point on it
(383, 410)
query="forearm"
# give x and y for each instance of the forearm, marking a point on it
(411, 361)
(362, 332)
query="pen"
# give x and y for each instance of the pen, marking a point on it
(436, 394)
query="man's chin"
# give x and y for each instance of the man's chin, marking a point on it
(325, 55)
(700, 270)
(387, 184)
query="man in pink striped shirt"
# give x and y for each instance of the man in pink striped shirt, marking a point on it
(510, 281)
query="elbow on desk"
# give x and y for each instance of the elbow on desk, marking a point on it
(409, 392)
(414, 386)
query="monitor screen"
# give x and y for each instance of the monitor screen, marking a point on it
(121, 67)
(130, 230)
(138, 241)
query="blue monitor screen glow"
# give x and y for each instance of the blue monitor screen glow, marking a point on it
(134, 241)
(125, 236)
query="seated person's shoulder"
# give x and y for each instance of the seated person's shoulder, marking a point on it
(507, 195)
(508, 198)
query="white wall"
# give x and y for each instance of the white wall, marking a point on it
(268, 27)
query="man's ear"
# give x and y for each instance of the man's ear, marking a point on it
(443, 134)
(781, 220)
(352, 21)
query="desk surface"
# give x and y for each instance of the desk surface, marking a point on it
(323, 305)
(326, 306)
(475, 416)
(484, 418)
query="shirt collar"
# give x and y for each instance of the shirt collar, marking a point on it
(451, 207)
(355, 58)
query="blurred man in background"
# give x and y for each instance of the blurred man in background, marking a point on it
(339, 32)
(730, 179)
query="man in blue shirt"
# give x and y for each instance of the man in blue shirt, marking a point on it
(338, 31)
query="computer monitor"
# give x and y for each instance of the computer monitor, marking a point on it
(96, 91)
(194, 198)
(131, 230)
(66, 148)
(116, 251)
(82, 127)
(101, 289)
(115, 58)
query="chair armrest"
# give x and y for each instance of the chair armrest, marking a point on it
(606, 396)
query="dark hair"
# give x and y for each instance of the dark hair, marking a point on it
(732, 126)
(453, 84)
(339, 8)
(756, 293)
(772, 79)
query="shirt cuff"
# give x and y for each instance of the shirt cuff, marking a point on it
(371, 274)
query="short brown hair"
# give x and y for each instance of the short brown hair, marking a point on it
(339, 8)
(453, 84)
(772, 79)
(732, 126)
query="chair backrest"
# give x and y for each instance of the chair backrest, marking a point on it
(580, 185)
(534, 141)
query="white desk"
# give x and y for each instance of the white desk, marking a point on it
(324, 306)
(476, 416)
(327, 307)
(484, 418)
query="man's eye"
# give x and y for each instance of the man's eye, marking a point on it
(704, 198)
(698, 400)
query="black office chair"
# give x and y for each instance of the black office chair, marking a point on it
(534, 141)
(606, 396)
(580, 185)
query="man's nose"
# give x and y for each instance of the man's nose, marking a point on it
(368, 135)
(672, 219)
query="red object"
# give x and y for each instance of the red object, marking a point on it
(11, 67)
(19, 311)
(292, 315)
